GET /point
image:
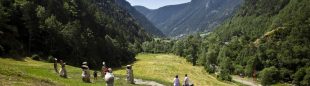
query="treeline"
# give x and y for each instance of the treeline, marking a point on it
(71, 30)
(267, 39)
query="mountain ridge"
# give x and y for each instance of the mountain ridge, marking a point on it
(140, 18)
(191, 17)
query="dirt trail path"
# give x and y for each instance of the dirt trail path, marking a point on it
(245, 81)
(149, 83)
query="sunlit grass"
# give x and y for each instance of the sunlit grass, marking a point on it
(158, 67)
(36, 73)
(163, 68)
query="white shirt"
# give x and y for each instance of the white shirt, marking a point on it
(186, 81)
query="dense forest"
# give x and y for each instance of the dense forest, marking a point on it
(267, 39)
(71, 30)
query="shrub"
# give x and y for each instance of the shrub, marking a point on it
(224, 75)
(238, 69)
(269, 76)
(285, 74)
(302, 77)
(210, 68)
(306, 80)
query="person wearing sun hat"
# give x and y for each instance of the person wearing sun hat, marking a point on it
(63, 71)
(104, 69)
(55, 65)
(85, 72)
(109, 78)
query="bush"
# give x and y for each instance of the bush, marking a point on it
(285, 74)
(306, 80)
(35, 57)
(210, 68)
(269, 76)
(238, 69)
(224, 75)
(302, 77)
(298, 76)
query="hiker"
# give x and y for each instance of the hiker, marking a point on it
(104, 69)
(176, 81)
(186, 81)
(130, 78)
(63, 71)
(85, 72)
(109, 78)
(55, 65)
(95, 75)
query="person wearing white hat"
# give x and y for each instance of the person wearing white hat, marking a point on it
(55, 65)
(130, 78)
(63, 71)
(109, 78)
(104, 69)
(85, 72)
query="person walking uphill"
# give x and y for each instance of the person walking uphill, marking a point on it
(104, 69)
(176, 81)
(109, 78)
(56, 66)
(85, 73)
(186, 81)
(130, 78)
(63, 71)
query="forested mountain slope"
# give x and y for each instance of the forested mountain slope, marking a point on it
(188, 18)
(71, 30)
(265, 39)
(140, 18)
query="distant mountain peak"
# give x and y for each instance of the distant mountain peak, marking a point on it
(140, 18)
(191, 17)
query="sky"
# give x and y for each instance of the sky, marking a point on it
(154, 4)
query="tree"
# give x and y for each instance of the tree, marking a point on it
(269, 76)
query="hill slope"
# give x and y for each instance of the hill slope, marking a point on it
(71, 30)
(29, 72)
(35, 73)
(195, 16)
(140, 18)
(164, 67)
(269, 36)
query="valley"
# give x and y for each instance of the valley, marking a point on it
(214, 42)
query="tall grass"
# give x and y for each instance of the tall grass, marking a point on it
(163, 68)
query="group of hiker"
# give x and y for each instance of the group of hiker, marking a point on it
(106, 73)
(176, 81)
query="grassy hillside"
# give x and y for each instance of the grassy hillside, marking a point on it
(156, 67)
(163, 68)
(35, 73)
